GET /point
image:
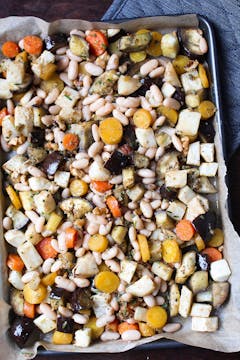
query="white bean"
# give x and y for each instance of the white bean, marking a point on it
(64, 77)
(145, 232)
(113, 265)
(149, 66)
(97, 104)
(73, 70)
(114, 304)
(165, 204)
(4, 145)
(86, 113)
(56, 266)
(160, 300)
(105, 110)
(46, 266)
(93, 69)
(98, 201)
(87, 81)
(90, 99)
(65, 311)
(105, 229)
(7, 223)
(95, 149)
(148, 181)
(159, 122)
(146, 209)
(113, 62)
(52, 96)
(110, 148)
(80, 252)
(47, 311)
(160, 151)
(150, 153)
(154, 96)
(97, 257)
(95, 133)
(80, 319)
(36, 100)
(72, 56)
(10, 107)
(177, 143)
(126, 297)
(66, 284)
(80, 164)
(163, 287)
(146, 173)
(81, 283)
(121, 117)
(116, 180)
(171, 103)
(110, 253)
(62, 50)
(172, 327)
(66, 193)
(149, 300)
(29, 276)
(130, 112)
(104, 320)
(131, 335)
(47, 120)
(109, 336)
(136, 255)
(157, 72)
(92, 228)
(54, 109)
(132, 205)
(62, 63)
(34, 171)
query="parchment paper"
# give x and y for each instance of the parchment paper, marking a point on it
(227, 338)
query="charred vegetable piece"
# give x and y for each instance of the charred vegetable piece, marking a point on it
(38, 136)
(80, 299)
(117, 162)
(168, 193)
(135, 42)
(147, 82)
(21, 330)
(117, 34)
(104, 83)
(193, 43)
(129, 137)
(36, 155)
(179, 96)
(128, 85)
(51, 163)
(205, 225)
(79, 46)
(65, 324)
(207, 131)
(55, 41)
(58, 293)
(202, 262)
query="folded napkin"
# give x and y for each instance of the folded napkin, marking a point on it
(225, 16)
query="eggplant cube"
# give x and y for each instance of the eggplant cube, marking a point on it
(188, 122)
(146, 137)
(186, 194)
(207, 152)
(128, 269)
(136, 193)
(201, 324)
(162, 270)
(208, 169)
(201, 310)
(176, 210)
(193, 156)
(167, 89)
(220, 270)
(140, 314)
(185, 303)
(45, 324)
(191, 81)
(176, 178)
(29, 255)
(67, 98)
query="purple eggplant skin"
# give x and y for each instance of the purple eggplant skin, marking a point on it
(179, 96)
(185, 45)
(147, 82)
(38, 137)
(80, 299)
(129, 137)
(65, 324)
(116, 37)
(168, 193)
(205, 225)
(51, 163)
(58, 293)
(203, 262)
(117, 162)
(21, 331)
(207, 131)
(55, 41)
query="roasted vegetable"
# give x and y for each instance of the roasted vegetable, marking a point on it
(115, 34)
(220, 293)
(199, 281)
(205, 225)
(127, 85)
(187, 267)
(51, 163)
(17, 301)
(134, 42)
(207, 131)
(21, 331)
(202, 262)
(52, 83)
(55, 41)
(75, 208)
(65, 324)
(167, 162)
(129, 137)
(170, 45)
(79, 46)
(167, 193)
(36, 155)
(37, 136)
(117, 162)
(84, 132)
(192, 42)
(103, 84)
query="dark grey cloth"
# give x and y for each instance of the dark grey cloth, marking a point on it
(225, 16)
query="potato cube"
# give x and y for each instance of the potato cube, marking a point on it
(188, 122)
(118, 234)
(207, 152)
(167, 89)
(208, 169)
(61, 178)
(201, 310)
(185, 302)
(176, 178)
(67, 98)
(29, 255)
(191, 81)
(176, 210)
(220, 270)
(83, 337)
(128, 269)
(186, 194)
(205, 324)
(193, 156)
(140, 314)
(199, 281)
(162, 270)
(45, 324)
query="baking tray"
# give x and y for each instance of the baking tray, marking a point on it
(213, 66)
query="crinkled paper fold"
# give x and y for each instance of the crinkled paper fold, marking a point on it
(227, 338)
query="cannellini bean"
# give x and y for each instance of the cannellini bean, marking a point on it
(90, 99)
(160, 151)
(4, 145)
(66, 193)
(98, 201)
(131, 335)
(62, 50)
(97, 104)
(62, 242)
(105, 110)
(7, 223)
(121, 117)
(203, 45)
(150, 153)
(113, 265)
(83, 91)
(165, 204)
(149, 300)
(163, 287)
(110, 253)
(72, 56)
(126, 297)
(80, 319)
(80, 164)
(56, 266)
(93, 69)
(22, 148)
(54, 109)
(132, 205)
(116, 180)
(21, 187)
(129, 102)
(92, 228)
(62, 63)
(54, 244)
(46, 266)
(47, 311)
(146, 209)
(122, 287)
(10, 107)
(155, 204)
(177, 143)
(159, 122)
(80, 252)
(154, 96)
(132, 234)
(113, 62)
(110, 148)
(97, 257)
(149, 66)
(47, 120)
(34, 171)
(86, 113)
(160, 300)
(145, 232)
(73, 70)
(130, 112)
(137, 255)
(109, 336)
(157, 282)
(95, 133)
(172, 327)
(171, 103)
(138, 223)
(52, 96)
(87, 81)
(36, 100)
(104, 320)
(149, 181)
(81, 283)
(114, 304)
(157, 72)
(95, 149)
(128, 216)
(153, 114)
(41, 93)
(146, 173)
(105, 229)
(106, 156)
(64, 77)
(66, 284)
(145, 104)
(65, 311)
(29, 276)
